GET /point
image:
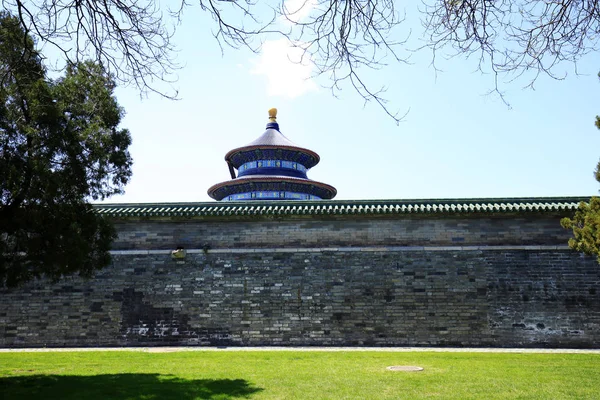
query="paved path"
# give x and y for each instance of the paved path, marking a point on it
(382, 349)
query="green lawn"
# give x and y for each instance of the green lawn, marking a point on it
(297, 375)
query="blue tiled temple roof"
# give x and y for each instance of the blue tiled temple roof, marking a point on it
(272, 182)
(272, 139)
(272, 167)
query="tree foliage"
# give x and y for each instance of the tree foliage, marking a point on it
(586, 228)
(133, 39)
(60, 146)
(586, 222)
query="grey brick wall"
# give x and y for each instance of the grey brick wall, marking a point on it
(400, 296)
(333, 231)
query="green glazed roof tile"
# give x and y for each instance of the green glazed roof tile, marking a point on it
(342, 207)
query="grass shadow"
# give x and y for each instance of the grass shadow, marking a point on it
(123, 386)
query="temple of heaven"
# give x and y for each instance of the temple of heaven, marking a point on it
(271, 168)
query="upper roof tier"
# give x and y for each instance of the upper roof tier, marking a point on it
(272, 144)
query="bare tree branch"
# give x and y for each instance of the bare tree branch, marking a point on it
(130, 38)
(511, 39)
(343, 37)
(515, 37)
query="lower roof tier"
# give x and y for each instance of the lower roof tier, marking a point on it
(271, 187)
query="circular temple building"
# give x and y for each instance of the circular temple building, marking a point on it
(271, 168)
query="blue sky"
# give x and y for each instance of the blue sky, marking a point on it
(455, 142)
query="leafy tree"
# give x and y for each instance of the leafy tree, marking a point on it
(586, 228)
(586, 222)
(60, 146)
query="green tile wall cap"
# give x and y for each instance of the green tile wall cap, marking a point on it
(343, 207)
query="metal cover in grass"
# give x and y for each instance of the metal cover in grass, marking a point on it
(404, 368)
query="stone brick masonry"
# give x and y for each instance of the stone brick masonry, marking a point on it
(328, 231)
(503, 281)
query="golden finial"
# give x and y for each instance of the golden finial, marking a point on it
(273, 115)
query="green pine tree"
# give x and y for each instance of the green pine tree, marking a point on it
(586, 222)
(60, 147)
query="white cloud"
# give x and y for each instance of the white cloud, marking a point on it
(297, 10)
(287, 68)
